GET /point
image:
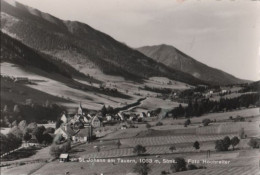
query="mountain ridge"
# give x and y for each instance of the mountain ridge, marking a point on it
(81, 46)
(174, 58)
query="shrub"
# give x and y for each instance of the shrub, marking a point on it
(142, 168)
(206, 122)
(179, 165)
(196, 145)
(159, 124)
(148, 126)
(234, 141)
(139, 149)
(254, 143)
(192, 167)
(223, 145)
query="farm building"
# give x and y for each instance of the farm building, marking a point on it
(65, 131)
(83, 135)
(21, 80)
(108, 117)
(64, 118)
(32, 142)
(123, 127)
(64, 157)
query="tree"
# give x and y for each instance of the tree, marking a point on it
(14, 123)
(187, 122)
(110, 110)
(196, 145)
(27, 136)
(206, 122)
(234, 141)
(47, 139)
(172, 148)
(223, 145)
(142, 168)
(241, 133)
(118, 143)
(254, 143)
(49, 130)
(38, 132)
(56, 150)
(139, 149)
(58, 123)
(97, 148)
(31, 126)
(148, 126)
(192, 167)
(5, 110)
(22, 125)
(104, 110)
(179, 165)
(227, 142)
(16, 109)
(16, 131)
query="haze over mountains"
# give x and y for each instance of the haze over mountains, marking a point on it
(175, 59)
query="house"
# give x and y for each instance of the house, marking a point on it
(64, 118)
(121, 116)
(224, 91)
(21, 80)
(64, 157)
(108, 117)
(95, 122)
(84, 135)
(32, 142)
(123, 127)
(87, 119)
(142, 114)
(65, 131)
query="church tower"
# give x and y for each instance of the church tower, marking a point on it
(80, 110)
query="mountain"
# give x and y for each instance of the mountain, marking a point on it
(81, 46)
(175, 59)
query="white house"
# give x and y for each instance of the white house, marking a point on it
(64, 118)
(108, 117)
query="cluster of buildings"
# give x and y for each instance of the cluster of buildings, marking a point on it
(78, 128)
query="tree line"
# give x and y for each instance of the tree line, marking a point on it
(200, 107)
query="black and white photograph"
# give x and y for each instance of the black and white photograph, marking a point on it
(130, 87)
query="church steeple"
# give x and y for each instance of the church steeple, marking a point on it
(80, 109)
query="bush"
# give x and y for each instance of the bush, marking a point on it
(223, 145)
(180, 165)
(254, 143)
(142, 168)
(139, 149)
(164, 172)
(206, 122)
(148, 126)
(159, 124)
(196, 145)
(56, 150)
(192, 167)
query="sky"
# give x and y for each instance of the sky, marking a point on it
(224, 34)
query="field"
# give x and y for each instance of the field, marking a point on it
(157, 139)
(62, 91)
(238, 165)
